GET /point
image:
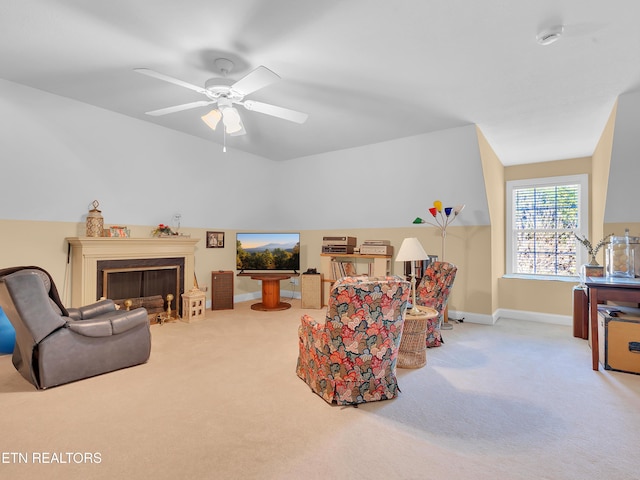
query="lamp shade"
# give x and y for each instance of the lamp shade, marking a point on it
(232, 121)
(410, 250)
(212, 118)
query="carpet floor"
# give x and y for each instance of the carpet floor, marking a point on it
(219, 399)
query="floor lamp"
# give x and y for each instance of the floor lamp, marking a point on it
(443, 217)
(411, 251)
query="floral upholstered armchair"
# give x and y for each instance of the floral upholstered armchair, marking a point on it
(351, 358)
(433, 291)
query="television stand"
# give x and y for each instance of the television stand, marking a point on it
(270, 291)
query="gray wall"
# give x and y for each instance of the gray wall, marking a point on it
(624, 177)
(59, 155)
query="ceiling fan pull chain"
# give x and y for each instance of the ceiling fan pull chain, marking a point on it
(224, 140)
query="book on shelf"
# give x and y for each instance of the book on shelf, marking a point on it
(343, 269)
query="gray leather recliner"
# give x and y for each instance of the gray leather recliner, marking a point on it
(55, 345)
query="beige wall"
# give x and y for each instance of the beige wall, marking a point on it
(466, 247)
(618, 229)
(546, 296)
(495, 188)
(601, 163)
(43, 244)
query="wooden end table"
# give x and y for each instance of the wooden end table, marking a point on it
(413, 343)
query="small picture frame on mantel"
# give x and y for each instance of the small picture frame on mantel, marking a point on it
(215, 239)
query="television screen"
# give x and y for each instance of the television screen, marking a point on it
(268, 251)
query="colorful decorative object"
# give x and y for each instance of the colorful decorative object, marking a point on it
(162, 230)
(442, 218)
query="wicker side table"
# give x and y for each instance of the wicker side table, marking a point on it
(413, 343)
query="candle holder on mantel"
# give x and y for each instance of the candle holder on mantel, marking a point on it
(95, 221)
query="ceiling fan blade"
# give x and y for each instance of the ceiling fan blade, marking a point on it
(255, 80)
(167, 78)
(179, 108)
(275, 111)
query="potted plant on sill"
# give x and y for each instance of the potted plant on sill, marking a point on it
(593, 268)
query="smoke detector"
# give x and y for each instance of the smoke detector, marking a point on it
(550, 35)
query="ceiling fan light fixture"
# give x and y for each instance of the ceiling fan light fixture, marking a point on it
(550, 35)
(232, 121)
(212, 118)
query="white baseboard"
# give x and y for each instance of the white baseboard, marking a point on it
(533, 316)
(513, 314)
(453, 314)
(471, 317)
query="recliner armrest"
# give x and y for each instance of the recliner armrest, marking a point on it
(95, 309)
(112, 323)
(129, 319)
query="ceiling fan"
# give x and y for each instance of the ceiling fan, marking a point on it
(226, 93)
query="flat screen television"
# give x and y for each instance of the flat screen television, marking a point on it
(268, 252)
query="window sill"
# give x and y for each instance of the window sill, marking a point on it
(546, 278)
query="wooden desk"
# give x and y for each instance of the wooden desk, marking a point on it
(270, 291)
(602, 289)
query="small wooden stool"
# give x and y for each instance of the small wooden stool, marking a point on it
(193, 305)
(413, 343)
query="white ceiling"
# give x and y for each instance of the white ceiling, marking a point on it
(365, 71)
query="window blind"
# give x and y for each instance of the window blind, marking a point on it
(544, 220)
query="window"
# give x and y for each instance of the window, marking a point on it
(542, 217)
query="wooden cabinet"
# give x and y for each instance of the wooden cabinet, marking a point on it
(372, 265)
(311, 290)
(221, 290)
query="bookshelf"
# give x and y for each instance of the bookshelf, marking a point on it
(372, 265)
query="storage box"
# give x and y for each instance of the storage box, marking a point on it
(619, 338)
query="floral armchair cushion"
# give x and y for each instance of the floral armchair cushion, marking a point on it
(351, 358)
(433, 291)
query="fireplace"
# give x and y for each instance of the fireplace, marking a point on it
(131, 268)
(145, 282)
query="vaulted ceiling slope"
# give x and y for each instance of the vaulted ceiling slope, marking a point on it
(365, 71)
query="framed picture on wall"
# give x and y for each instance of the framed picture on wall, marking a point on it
(215, 239)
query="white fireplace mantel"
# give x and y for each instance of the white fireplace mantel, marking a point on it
(87, 251)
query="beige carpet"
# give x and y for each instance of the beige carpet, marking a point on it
(219, 399)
